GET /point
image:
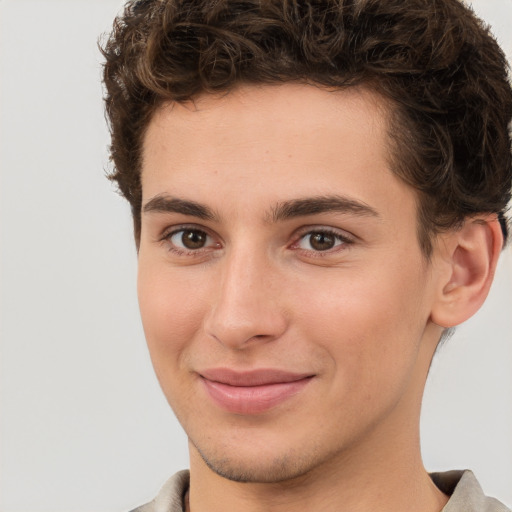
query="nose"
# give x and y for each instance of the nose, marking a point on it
(246, 306)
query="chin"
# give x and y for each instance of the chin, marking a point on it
(266, 468)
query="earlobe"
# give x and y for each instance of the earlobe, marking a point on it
(470, 256)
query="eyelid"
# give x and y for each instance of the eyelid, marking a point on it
(176, 228)
(322, 228)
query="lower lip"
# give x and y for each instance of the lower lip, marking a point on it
(253, 399)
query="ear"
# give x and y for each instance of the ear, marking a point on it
(468, 259)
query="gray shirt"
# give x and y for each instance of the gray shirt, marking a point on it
(465, 493)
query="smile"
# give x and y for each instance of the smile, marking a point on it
(252, 392)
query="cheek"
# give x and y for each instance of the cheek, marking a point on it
(370, 323)
(171, 311)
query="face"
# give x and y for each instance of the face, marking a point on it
(284, 297)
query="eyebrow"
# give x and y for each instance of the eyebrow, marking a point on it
(282, 211)
(321, 204)
(167, 204)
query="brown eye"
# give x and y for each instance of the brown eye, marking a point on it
(322, 241)
(191, 239)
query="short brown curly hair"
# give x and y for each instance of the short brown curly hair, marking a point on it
(433, 60)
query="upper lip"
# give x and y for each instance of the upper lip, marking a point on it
(258, 377)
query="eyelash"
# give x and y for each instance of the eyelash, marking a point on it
(342, 240)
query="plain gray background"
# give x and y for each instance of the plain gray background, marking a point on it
(84, 426)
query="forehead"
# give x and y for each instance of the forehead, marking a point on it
(278, 128)
(242, 153)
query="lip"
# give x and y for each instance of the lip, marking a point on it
(252, 392)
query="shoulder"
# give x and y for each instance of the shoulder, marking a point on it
(465, 493)
(170, 497)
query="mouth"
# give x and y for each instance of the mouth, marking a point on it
(252, 392)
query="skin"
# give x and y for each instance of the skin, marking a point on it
(256, 292)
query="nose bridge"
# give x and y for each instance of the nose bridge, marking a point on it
(245, 307)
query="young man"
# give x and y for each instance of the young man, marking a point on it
(318, 192)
